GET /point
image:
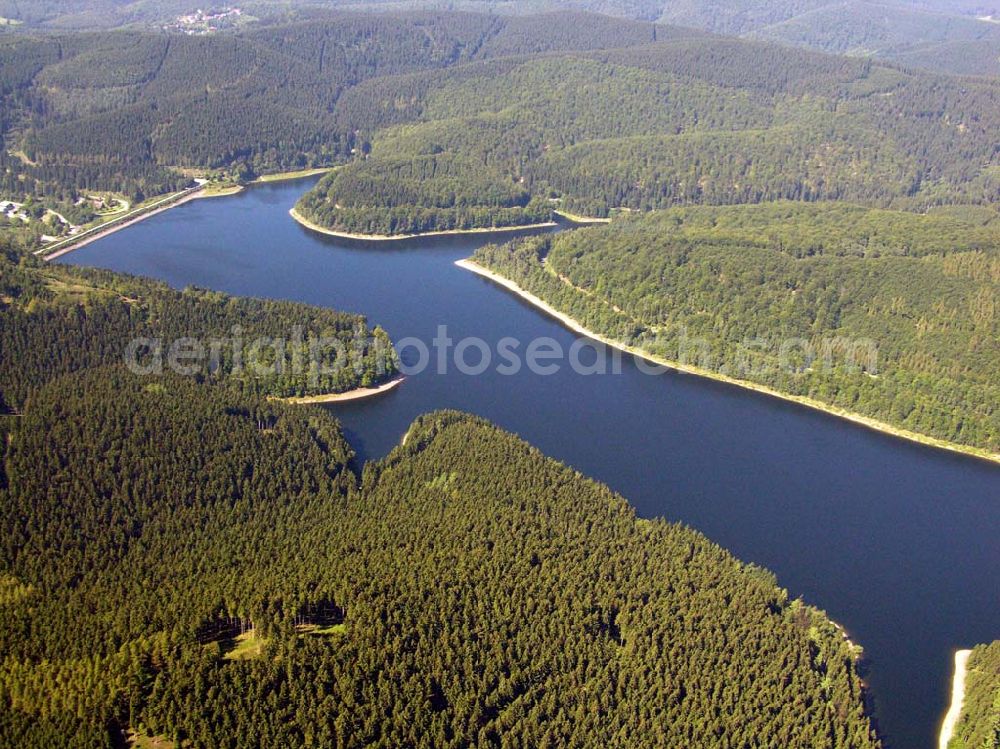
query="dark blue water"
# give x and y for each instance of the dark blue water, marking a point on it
(896, 541)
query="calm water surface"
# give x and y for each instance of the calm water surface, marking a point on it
(896, 541)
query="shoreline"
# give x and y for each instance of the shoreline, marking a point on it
(303, 221)
(287, 176)
(582, 220)
(865, 421)
(957, 698)
(349, 395)
(222, 192)
(99, 232)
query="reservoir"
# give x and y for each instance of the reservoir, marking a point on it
(896, 541)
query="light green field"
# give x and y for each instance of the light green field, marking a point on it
(141, 741)
(221, 189)
(319, 631)
(246, 646)
(70, 293)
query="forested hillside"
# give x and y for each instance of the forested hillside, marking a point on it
(892, 29)
(57, 319)
(431, 192)
(727, 288)
(456, 120)
(117, 111)
(872, 28)
(979, 725)
(679, 121)
(239, 589)
(925, 33)
(962, 58)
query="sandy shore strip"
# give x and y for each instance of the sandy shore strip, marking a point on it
(123, 222)
(222, 192)
(855, 418)
(957, 698)
(351, 395)
(98, 232)
(288, 176)
(582, 220)
(393, 237)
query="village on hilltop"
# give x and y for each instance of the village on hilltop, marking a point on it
(207, 21)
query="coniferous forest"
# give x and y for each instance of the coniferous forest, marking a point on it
(950, 35)
(244, 588)
(58, 319)
(189, 560)
(891, 314)
(979, 724)
(681, 121)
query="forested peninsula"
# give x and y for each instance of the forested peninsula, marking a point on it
(58, 319)
(682, 120)
(245, 588)
(891, 315)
